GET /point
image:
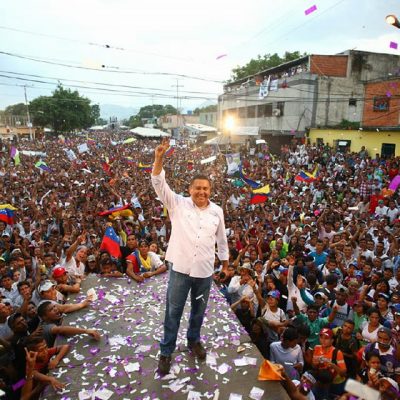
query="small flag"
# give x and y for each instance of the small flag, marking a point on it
(260, 195)
(170, 151)
(112, 210)
(306, 176)
(91, 141)
(129, 160)
(14, 154)
(135, 260)
(43, 166)
(7, 213)
(145, 168)
(110, 243)
(250, 182)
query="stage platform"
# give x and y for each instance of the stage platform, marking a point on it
(123, 365)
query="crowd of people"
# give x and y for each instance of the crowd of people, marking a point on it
(313, 271)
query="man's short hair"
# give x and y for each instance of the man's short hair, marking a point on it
(200, 177)
(42, 309)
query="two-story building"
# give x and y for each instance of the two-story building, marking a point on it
(314, 91)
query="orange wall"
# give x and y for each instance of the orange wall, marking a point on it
(329, 65)
(382, 118)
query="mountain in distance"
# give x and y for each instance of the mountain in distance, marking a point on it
(114, 110)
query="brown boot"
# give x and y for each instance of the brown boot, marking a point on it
(164, 364)
(198, 350)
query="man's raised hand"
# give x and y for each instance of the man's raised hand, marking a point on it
(162, 148)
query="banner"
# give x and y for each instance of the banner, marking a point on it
(233, 162)
(71, 155)
(264, 88)
(83, 148)
(208, 160)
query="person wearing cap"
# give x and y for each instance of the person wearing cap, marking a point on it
(381, 210)
(47, 291)
(388, 388)
(343, 309)
(387, 351)
(273, 316)
(329, 366)
(197, 225)
(65, 284)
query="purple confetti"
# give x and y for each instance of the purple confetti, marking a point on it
(312, 9)
(394, 45)
(388, 94)
(94, 350)
(18, 384)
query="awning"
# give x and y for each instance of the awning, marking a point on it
(149, 132)
(200, 128)
(245, 130)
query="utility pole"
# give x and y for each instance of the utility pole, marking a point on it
(27, 112)
(177, 99)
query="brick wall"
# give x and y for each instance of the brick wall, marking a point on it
(329, 65)
(386, 90)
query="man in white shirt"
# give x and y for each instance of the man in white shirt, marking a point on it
(197, 225)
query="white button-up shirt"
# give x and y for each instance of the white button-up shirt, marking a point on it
(195, 231)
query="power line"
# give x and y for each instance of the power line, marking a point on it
(103, 84)
(104, 46)
(105, 68)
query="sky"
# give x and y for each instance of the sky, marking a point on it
(133, 53)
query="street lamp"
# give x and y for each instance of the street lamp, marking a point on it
(392, 20)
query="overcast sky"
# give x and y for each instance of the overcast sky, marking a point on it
(171, 37)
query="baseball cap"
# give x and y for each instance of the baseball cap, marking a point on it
(321, 294)
(274, 294)
(396, 309)
(2, 259)
(392, 382)
(384, 295)
(59, 271)
(6, 234)
(341, 289)
(326, 332)
(91, 258)
(45, 285)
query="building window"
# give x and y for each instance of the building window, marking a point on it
(381, 103)
(251, 112)
(281, 106)
(265, 110)
(352, 102)
(242, 112)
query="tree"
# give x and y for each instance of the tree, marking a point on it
(156, 110)
(133, 122)
(64, 111)
(262, 63)
(16, 109)
(210, 108)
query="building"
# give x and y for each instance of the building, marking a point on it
(315, 91)
(379, 129)
(174, 123)
(208, 118)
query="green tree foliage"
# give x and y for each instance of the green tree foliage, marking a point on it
(16, 109)
(64, 111)
(148, 112)
(262, 63)
(133, 122)
(210, 108)
(156, 110)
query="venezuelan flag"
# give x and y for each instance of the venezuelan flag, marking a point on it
(260, 195)
(170, 151)
(145, 168)
(110, 243)
(251, 183)
(129, 160)
(7, 213)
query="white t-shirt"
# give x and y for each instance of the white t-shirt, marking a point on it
(72, 268)
(369, 336)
